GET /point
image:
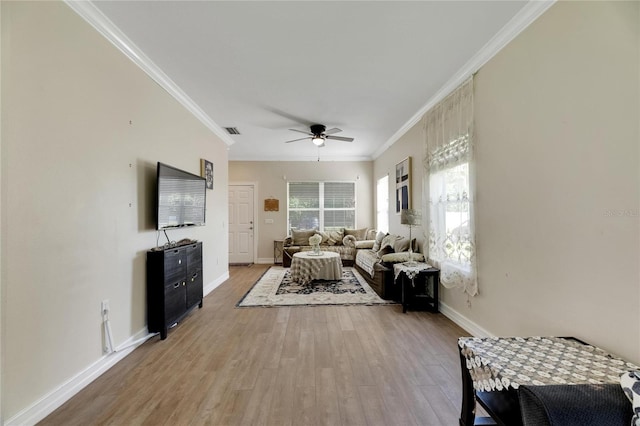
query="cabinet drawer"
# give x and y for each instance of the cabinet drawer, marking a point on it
(194, 256)
(175, 265)
(194, 288)
(174, 301)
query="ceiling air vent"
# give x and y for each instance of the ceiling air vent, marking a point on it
(232, 130)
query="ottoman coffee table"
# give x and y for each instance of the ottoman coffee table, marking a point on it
(307, 266)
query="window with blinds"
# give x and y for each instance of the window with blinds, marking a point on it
(324, 206)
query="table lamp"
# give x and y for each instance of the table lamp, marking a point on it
(411, 218)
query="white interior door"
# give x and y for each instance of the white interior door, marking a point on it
(241, 246)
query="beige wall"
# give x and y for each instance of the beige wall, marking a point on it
(82, 131)
(409, 145)
(558, 183)
(557, 162)
(272, 177)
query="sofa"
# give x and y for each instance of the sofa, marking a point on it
(346, 242)
(372, 253)
(376, 264)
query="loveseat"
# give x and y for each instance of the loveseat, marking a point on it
(376, 264)
(345, 242)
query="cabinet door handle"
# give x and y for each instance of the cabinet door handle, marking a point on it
(184, 283)
(194, 276)
(176, 285)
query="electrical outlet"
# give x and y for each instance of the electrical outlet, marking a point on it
(104, 307)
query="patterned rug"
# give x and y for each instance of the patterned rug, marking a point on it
(275, 288)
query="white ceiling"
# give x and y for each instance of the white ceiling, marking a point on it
(367, 67)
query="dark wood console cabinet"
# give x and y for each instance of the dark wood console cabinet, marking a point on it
(174, 285)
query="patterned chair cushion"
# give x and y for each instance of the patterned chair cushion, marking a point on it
(630, 383)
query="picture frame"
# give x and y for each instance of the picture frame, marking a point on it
(403, 185)
(271, 205)
(206, 171)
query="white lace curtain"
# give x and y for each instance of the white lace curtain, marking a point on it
(449, 189)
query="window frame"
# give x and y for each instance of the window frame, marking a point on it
(321, 209)
(454, 261)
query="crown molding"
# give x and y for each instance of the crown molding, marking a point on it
(323, 159)
(92, 15)
(521, 20)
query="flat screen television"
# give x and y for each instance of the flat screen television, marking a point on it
(181, 198)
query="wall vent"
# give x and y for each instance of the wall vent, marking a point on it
(232, 130)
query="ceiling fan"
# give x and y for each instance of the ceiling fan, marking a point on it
(318, 135)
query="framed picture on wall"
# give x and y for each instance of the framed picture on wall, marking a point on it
(403, 185)
(206, 171)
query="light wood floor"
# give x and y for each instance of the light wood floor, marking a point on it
(323, 365)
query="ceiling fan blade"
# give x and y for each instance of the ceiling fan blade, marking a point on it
(340, 138)
(300, 131)
(332, 131)
(296, 140)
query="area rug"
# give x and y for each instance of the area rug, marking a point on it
(275, 288)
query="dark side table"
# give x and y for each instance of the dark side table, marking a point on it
(494, 368)
(419, 284)
(278, 252)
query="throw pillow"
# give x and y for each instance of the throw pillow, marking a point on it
(386, 246)
(360, 234)
(378, 241)
(349, 241)
(630, 383)
(324, 235)
(335, 237)
(388, 241)
(401, 244)
(384, 251)
(371, 234)
(300, 237)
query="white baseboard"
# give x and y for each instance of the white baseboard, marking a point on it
(50, 402)
(473, 328)
(215, 283)
(265, 261)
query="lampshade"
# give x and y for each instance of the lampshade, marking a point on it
(317, 141)
(411, 217)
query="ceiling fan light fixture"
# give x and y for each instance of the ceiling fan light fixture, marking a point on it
(317, 140)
